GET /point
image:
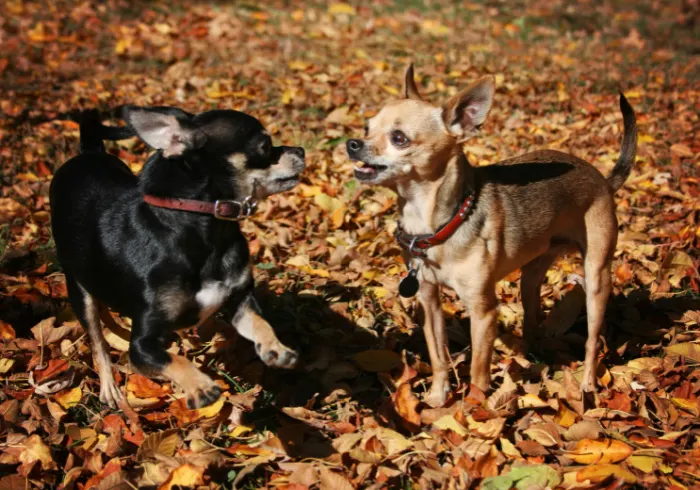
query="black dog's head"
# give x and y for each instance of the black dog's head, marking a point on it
(225, 139)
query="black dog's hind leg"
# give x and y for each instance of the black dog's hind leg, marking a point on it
(149, 357)
(87, 310)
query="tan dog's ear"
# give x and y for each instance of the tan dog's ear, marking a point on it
(464, 112)
(410, 90)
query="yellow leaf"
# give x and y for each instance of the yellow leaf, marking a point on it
(6, 364)
(599, 472)
(565, 417)
(532, 401)
(185, 476)
(122, 45)
(341, 8)
(298, 15)
(327, 203)
(644, 463)
(377, 360)
(448, 422)
(34, 449)
(390, 89)
(634, 94)
(672, 436)
(211, 410)
(370, 274)
(392, 441)
(435, 28)
(338, 217)
(298, 261)
(69, 398)
(645, 138)
(378, 291)
(687, 405)
(686, 349)
(287, 96)
(588, 451)
(240, 430)
(298, 65)
(646, 363)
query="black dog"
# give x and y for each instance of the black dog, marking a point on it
(165, 248)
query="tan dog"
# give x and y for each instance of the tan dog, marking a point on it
(466, 227)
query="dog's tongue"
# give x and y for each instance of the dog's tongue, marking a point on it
(365, 169)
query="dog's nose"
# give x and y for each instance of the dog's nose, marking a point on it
(298, 151)
(354, 145)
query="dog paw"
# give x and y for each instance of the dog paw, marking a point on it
(277, 355)
(203, 397)
(110, 394)
(437, 395)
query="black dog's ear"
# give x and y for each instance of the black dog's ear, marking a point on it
(165, 128)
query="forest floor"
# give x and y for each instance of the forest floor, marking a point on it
(326, 263)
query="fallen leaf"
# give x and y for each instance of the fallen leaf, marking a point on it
(599, 472)
(588, 451)
(185, 476)
(524, 478)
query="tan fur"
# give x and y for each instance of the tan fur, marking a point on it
(527, 211)
(250, 325)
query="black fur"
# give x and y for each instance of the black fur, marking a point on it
(124, 252)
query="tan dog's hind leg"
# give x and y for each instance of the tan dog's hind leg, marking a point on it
(533, 274)
(249, 324)
(434, 331)
(601, 234)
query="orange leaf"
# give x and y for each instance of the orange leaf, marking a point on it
(589, 451)
(142, 387)
(599, 472)
(406, 402)
(6, 331)
(54, 368)
(185, 476)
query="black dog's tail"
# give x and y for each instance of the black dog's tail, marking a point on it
(93, 132)
(624, 163)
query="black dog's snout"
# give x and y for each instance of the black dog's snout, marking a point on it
(354, 145)
(298, 151)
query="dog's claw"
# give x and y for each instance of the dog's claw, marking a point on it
(279, 355)
(110, 394)
(203, 398)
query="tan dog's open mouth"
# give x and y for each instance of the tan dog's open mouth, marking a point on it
(368, 171)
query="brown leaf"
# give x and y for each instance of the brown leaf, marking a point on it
(159, 443)
(405, 403)
(331, 480)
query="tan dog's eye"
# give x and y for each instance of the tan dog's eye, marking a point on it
(399, 140)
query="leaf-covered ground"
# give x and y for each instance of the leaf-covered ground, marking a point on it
(326, 263)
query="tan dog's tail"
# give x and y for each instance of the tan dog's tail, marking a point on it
(623, 167)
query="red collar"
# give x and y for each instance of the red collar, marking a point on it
(225, 209)
(417, 244)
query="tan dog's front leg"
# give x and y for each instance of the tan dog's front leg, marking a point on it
(482, 308)
(434, 331)
(248, 322)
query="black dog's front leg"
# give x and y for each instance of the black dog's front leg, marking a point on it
(149, 357)
(246, 318)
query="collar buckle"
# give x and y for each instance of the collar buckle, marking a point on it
(241, 210)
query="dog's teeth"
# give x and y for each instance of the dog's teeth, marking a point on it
(360, 164)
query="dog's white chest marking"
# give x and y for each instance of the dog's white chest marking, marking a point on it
(212, 296)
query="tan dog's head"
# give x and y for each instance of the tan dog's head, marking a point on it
(410, 139)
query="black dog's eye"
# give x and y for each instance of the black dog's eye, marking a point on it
(399, 139)
(265, 147)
